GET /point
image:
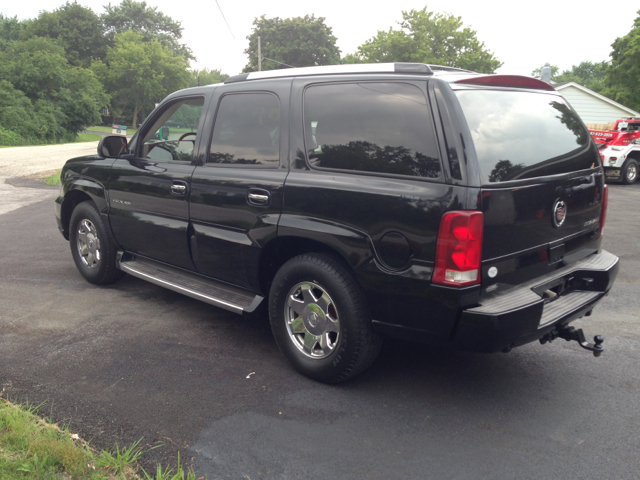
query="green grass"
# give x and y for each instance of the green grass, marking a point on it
(102, 129)
(53, 180)
(33, 448)
(87, 137)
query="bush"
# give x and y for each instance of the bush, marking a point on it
(10, 139)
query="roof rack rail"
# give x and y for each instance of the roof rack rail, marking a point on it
(402, 68)
(443, 68)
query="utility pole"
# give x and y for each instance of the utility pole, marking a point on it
(259, 56)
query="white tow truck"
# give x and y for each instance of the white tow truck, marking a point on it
(620, 150)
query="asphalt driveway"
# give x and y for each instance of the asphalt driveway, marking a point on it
(135, 361)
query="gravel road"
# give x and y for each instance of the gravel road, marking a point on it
(28, 161)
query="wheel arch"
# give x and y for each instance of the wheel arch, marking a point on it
(283, 248)
(82, 190)
(635, 154)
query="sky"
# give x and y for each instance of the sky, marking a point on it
(522, 35)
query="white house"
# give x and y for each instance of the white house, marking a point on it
(593, 108)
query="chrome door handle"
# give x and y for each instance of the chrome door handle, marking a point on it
(261, 199)
(178, 189)
(258, 197)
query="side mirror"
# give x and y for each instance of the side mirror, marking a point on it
(111, 146)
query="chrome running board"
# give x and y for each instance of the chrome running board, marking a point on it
(219, 294)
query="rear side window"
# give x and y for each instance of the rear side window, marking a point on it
(247, 130)
(521, 135)
(370, 127)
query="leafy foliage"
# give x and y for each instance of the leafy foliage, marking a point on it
(49, 95)
(9, 138)
(206, 77)
(296, 42)
(10, 28)
(587, 74)
(76, 28)
(429, 37)
(33, 123)
(42, 97)
(140, 73)
(36, 67)
(622, 79)
(149, 22)
(554, 71)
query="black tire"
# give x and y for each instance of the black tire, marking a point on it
(350, 342)
(91, 248)
(629, 173)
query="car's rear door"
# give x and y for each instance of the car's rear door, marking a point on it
(236, 191)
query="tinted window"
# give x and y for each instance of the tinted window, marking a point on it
(370, 127)
(524, 134)
(247, 130)
(172, 136)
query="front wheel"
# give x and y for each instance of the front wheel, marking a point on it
(319, 319)
(629, 172)
(93, 252)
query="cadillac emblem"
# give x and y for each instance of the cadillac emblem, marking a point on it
(559, 213)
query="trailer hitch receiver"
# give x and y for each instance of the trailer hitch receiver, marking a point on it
(571, 333)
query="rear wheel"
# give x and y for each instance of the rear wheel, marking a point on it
(629, 172)
(319, 319)
(93, 252)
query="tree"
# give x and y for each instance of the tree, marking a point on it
(428, 37)
(622, 78)
(538, 71)
(9, 30)
(36, 67)
(587, 74)
(148, 21)
(292, 42)
(140, 73)
(18, 120)
(206, 77)
(76, 28)
(45, 98)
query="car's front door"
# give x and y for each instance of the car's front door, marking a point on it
(149, 190)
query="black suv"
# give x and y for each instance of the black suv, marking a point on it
(437, 205)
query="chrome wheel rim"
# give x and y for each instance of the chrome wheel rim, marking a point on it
(632, 172)
(88, 243)
(312, 320)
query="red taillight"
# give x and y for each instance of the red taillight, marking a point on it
(459, 249)
(605, 202)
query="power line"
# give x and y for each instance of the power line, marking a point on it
(272, 60)
(225, 20)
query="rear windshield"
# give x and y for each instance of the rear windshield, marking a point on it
(521, 135)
